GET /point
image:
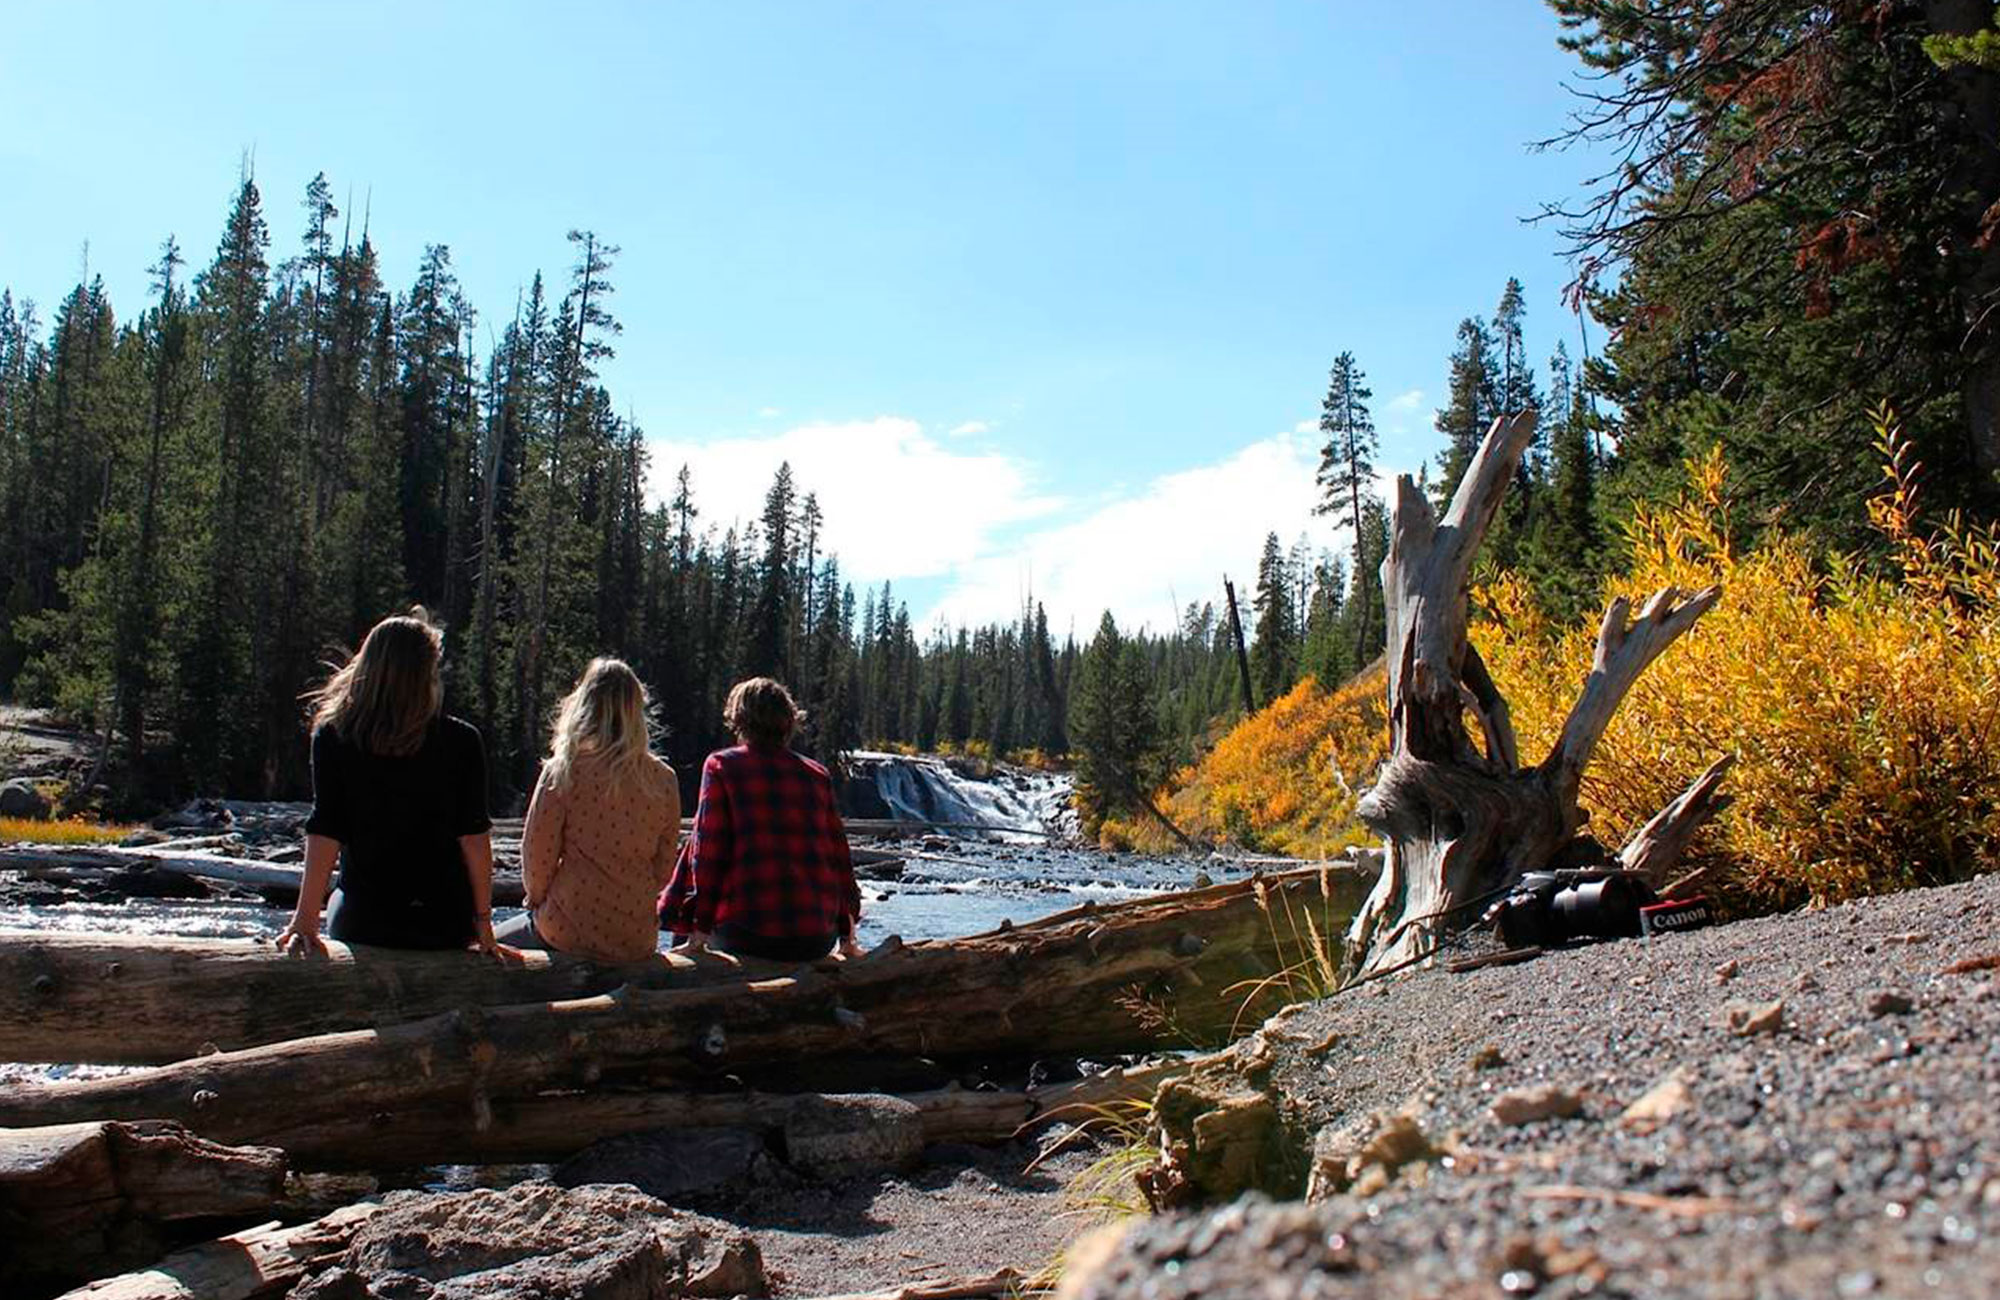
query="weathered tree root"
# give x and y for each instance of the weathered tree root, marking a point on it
(1464, 820)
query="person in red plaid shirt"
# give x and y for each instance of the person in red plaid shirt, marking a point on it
(765, 872)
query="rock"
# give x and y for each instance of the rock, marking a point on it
(1746, 1020)
(676, 1164)
(1668, 1097)
(1889, 1002)
(1488, 1057)
(20, 798)
(837, 1136)
(537, 1241)
(1526, 1105)
(1219, 1134)
(1365, 1160)
(198, 814)
(1726, 971)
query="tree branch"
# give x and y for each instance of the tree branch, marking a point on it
(1661, 841)
(1435, 610)
(1624, 649)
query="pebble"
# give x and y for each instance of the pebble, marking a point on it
(1747, 1021)
(1726, 971)
(1668, 1097)
(1889, 1002)
(1526, 1105)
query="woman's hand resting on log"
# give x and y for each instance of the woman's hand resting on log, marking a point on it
(483, 942)
(301, 936)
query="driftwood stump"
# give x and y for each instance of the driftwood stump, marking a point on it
(1463, 820)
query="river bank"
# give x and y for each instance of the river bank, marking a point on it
(1798, 1105)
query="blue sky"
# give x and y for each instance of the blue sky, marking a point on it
(1030, 294)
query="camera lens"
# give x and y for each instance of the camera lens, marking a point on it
(1603, 909)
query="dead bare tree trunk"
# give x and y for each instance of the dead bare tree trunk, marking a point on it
(1463, 820)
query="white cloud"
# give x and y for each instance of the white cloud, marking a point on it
(1409, 401)
(1169, 542)
(769, 412)
(898, 504)
(968, 429)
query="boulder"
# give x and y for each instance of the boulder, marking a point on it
(839, 1136)
(676, 1164)
(20, 798)
(541, 1241)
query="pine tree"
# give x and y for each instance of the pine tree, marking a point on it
(217, 659)
(770, 618)
(1117, 735)
(1472, 402)
(1347, 468)
(1274, 652)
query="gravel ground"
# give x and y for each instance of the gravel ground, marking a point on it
(965, 1211)
(1853, 1149)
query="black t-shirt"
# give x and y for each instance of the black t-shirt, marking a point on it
(398, 819)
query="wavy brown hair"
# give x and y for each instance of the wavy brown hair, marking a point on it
(762, 713)
(384, 699)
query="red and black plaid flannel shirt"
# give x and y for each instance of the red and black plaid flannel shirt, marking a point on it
(767, 854)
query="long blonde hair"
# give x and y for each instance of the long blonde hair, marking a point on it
(604, 718)
(385, 697)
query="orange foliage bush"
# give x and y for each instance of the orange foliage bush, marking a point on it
(1864, 713)
(1284, 780)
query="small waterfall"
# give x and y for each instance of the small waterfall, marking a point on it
(1010, 803)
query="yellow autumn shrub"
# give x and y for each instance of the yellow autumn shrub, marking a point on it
(1862, 712)
(1285, 779)
(63, 831)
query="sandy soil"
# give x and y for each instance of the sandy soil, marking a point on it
(966, 1211)
(1839, 1134)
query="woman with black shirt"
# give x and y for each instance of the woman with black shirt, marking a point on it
(399, 801)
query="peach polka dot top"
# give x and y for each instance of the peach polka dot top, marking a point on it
(593, 860)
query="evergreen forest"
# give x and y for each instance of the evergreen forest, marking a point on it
(206, 495)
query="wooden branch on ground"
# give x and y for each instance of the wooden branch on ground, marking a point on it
(262, 1261)
(78, 1200)
(1007, 1282)
(118, 999)
(1658, 846)
(1097, 979)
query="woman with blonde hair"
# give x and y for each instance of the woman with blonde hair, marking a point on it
(602, 828)
(399, 804)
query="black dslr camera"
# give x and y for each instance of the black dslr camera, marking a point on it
(1548, 909)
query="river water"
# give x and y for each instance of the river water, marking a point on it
(959, 887)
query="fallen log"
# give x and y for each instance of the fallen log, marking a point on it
(551, 1127)
(263, 1261)
(1171, 971)
(81, 1200)
(116, 999)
